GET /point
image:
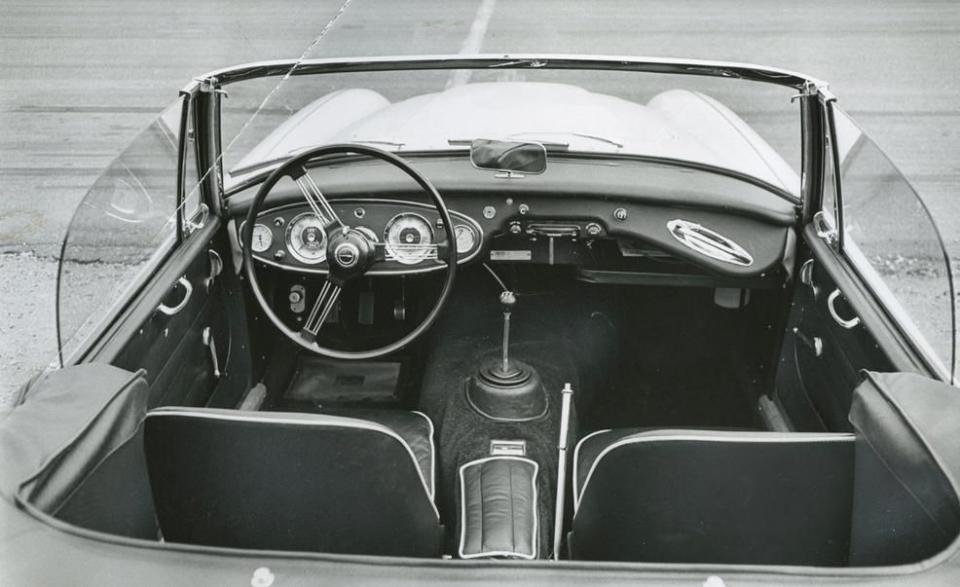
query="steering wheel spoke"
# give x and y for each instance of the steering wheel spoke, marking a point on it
(326, 301)
(350, 252)
(315, 198)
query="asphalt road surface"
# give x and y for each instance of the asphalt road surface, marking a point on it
(78, 81)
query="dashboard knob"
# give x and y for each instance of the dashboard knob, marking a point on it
(593, 229)
(515, 228)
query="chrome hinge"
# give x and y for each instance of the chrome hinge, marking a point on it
(813, 88)
(198, 220)
(825, 229)
(211, 85)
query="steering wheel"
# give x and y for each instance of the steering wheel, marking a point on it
(350, 252)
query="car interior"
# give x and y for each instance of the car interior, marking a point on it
(637, 362)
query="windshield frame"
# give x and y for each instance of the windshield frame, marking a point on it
(808, 88)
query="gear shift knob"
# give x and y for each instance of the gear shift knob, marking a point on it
(508, 300)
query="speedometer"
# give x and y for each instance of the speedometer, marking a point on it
(408, 238)
(306, 240)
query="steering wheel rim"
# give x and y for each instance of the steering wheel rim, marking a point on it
(288, 169)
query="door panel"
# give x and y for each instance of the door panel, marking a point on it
(175, 352)
(874, 291)
(821, 360)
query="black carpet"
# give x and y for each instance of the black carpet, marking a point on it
(464, 435)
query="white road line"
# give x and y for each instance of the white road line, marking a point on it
(474, 40)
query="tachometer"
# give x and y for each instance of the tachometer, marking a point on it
(408, 238)
(306, 240)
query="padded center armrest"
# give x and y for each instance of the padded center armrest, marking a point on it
(498, 508)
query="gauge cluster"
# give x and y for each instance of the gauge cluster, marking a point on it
(411, 233)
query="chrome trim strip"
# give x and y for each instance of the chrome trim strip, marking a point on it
(757, 438)
(433, 454)
(801, 82)
(463, 510)
(576, 461)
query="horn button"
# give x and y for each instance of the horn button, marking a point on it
(349, 254)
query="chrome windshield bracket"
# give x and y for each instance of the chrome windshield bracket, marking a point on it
(814, 88)
(211, 85)
(825, 229)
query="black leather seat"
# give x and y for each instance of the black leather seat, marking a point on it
(288, 481)
(696, 496)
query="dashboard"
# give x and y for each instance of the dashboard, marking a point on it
(619, 222)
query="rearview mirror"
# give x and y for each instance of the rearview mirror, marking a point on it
(509, 156)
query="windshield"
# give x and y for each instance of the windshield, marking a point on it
(747, 127)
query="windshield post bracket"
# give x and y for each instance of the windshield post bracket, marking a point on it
(813, 88)
(211, 85)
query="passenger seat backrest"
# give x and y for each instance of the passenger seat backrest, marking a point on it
(691, 496)
(279, 481)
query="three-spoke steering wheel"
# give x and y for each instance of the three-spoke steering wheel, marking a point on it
(350, 252)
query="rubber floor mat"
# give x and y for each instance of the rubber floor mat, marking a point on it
(320, 381)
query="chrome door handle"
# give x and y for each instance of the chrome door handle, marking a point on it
(814, 343)
(831, 300)
(216, 268)
(212, 345)
(806, 277)
(187, 291)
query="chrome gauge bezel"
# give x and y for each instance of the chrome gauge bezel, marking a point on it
(396, 269)
(419, 257)
(294, 251)
(264, 230)
(474, 238)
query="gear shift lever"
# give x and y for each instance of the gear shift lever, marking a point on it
(508, 301)
(504, 389)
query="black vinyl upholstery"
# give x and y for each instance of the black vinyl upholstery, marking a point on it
(286, 481)
(695, 496)
(906, 508)
(498, 508)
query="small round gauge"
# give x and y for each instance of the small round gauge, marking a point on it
(409, 238)
(306, 240)
(262, 238)
(466, 239)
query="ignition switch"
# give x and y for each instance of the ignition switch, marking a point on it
(297, 299)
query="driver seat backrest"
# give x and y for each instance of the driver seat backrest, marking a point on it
(701, 496)
(291, 481)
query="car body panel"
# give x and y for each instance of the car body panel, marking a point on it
(30, 538)
(675, 124)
